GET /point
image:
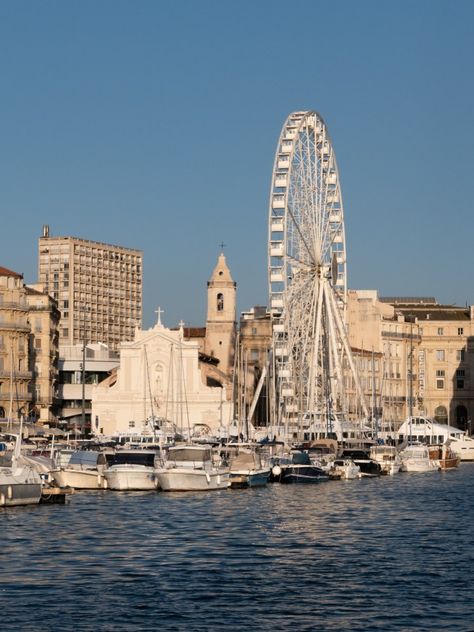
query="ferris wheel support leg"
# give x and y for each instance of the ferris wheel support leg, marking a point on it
(335, 355)
(342, 333)
(315, 351)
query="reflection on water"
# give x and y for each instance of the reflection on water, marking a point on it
(392, 553)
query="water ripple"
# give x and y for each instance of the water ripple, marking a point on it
(387, 554)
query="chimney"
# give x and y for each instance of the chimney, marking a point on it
(45, 230)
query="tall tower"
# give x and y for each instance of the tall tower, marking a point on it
(221, 315)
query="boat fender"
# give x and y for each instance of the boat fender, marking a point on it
(10, 492)
(2, 499)
(208, 477)
(276, 470)
(218, 479)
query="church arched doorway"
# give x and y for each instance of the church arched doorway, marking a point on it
(441, 415)
(460, 415)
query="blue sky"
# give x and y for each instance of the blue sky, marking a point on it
(153, 125)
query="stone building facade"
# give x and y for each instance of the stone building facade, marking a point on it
(43, 316)
(15, 374)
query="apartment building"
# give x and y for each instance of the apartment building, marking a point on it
(98, 288)
(15, 375)
(43, 353)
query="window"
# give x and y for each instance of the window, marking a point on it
(220, 302)
(254, 331)
(440, 355)
(460, 373)
(131, 424)
(460, 331)
(37, 343)
(440, 383)
(459, 382)
(254, 354)
(440, 331)
(440, 373)
(460, 355)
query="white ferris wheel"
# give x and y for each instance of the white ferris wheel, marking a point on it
(312, 359)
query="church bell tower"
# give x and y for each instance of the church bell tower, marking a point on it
(221, 315)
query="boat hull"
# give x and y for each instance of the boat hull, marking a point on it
(257, 478)
(79, 479)
(181, 479)
(302, 474)
(15, 494)
(131, 478)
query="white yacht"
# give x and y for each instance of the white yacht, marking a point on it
(418, 429)
(388, 456)
(416, 458)
(84, 470)
(20, 483)
(463, 446)
(131, 470)
(192, 468)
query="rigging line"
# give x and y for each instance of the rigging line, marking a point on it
(149, 384)
(183, 386)
(169, 382)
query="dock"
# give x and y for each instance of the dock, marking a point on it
(55, 495)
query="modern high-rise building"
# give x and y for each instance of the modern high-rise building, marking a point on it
(98, 288)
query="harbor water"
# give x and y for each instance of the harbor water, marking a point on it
(392, 553)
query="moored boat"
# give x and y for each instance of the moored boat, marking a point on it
(131, 470)
(368, 467)
(388, 457)
(247, 468)
(298, 470)
(192, 468)
(345, 469)
(20, 483)
(443, 457)
(416, 458)
(84, 470)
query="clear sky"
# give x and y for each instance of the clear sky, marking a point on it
(153, 125)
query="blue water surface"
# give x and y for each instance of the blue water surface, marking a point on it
(393, 553)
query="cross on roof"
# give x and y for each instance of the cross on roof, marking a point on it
(222, 245)
(159, 311)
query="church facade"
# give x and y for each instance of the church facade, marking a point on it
(173, 375)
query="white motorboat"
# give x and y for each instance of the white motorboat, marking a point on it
(131, 470)
(416, 458)
(463, 446)
(192, 468)
(84, 470)
(345, 469)
(20, 484)
(388, 457)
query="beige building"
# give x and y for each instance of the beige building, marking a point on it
(98, 288)
(43, 316)
(427, 354)
(15, 375)
(255, 336)
(443, 358)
